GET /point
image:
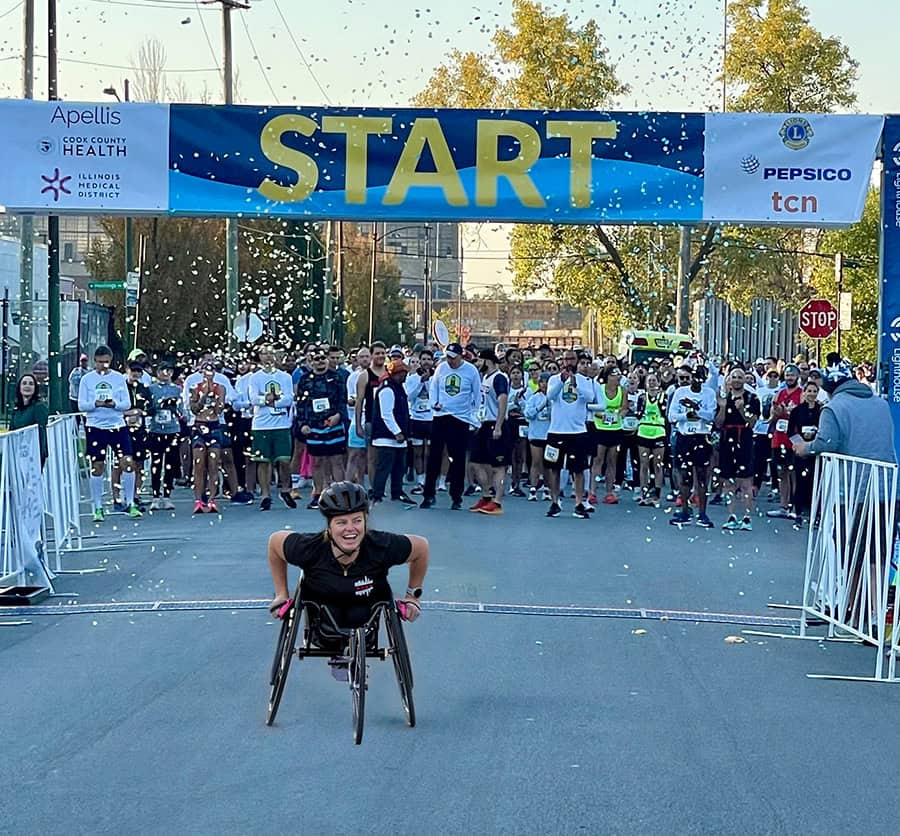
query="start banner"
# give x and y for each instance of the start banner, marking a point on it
(452, 165)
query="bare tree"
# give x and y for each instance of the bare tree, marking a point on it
(149, 84)
(179, 91)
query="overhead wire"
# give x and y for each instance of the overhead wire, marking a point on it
(256, 57)
(306, 63)
(10, 11)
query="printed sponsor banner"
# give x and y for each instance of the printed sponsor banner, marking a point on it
(889, 331)
(788, 169)
(560, 167)
(78, 157)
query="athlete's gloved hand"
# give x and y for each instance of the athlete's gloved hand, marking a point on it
(280, 606)
(409, 609)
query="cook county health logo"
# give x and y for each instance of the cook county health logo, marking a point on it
(796, 133)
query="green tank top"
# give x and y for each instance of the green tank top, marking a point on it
(653, 423)
(610, 419)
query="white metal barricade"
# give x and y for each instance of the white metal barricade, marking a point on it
(21, 510)
(850, 551)
(63, 487)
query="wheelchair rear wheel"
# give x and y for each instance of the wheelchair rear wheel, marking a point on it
(402, 665)
(287, 643)
(357, 676)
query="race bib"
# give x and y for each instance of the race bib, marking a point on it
(421, 406)
(320, 405)
(164, 416)
(278, 412)
(809, 433)
(693, 428)
(523, 431)
(482, 413)
(630, 422)
(781, 425)
(610, 418)
(551, 454)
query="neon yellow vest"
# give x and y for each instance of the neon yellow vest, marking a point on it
(610, 419)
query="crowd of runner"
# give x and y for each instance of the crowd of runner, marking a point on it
(536, 424)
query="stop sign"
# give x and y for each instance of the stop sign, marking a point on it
(818, 319)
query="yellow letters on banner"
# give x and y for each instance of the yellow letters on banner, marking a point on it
(488, 169)
(426, 131)
(581, 136)
(358, 130)
(305, 166)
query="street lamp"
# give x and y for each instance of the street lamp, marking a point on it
(375, 239)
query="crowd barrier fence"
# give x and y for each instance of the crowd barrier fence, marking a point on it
(63, 482)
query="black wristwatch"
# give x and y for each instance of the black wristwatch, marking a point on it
(416, 593)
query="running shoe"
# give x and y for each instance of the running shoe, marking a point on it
(547, 497)
(718, 499)
(199, 507)
(456, 505)
(288, 500)
(554, 510)
(580, 512)
(704, 521)
(265, 504)
(406, 500)
(313, 504)
(517, 491)
(589, 508)
(532, 495)
(119, 507)
(592, 498)
(98, 515)
(780, 513)
(167, 504)
(134, 512)
(480, 504)
(156, 505)
(746, 524)
(242, 498)
(427, 502)
(610, 499)
(681, 518)
(418, 490)
(211, 507)
(472, 490)
(442, 486)
(491, 507)
(731, 524)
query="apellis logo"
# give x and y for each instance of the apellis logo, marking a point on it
(97, 115)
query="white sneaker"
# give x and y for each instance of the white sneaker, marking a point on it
(156, 505)
(546, 497)
(168, 505)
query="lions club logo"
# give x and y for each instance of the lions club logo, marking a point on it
(796, 133)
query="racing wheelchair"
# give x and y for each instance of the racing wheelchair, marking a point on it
(322, 637)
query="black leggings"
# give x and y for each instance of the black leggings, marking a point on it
(452, 432)
(165, 462)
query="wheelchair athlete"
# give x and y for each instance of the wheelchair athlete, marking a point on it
(345, 567)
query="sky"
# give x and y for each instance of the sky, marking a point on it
(382, 52)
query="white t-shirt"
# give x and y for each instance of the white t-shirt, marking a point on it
(569, 402)
(278, 416)
(419, 398)
(701, 425)
(94, 387)
(458, 391)
(492, 387)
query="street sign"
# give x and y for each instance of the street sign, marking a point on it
(106, 285)
(846, 305)
(818, 319)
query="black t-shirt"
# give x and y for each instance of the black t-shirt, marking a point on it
(350, 591)
(804, 417)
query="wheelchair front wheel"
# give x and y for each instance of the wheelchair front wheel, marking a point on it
(287, 644)
(357, 677)
(402, 665)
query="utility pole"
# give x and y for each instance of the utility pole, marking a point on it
(426, 281)
(26, 222)
(232, 301)
(326, 326)
(54, 319)
(372, 282)
(339, 286)
(683, 292)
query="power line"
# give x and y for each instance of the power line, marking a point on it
(209, 42)
(127, 66)
(10, 11)
(153, 4)
(287, 26)
(262, 68)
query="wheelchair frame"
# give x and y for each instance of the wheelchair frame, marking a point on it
(354, 644)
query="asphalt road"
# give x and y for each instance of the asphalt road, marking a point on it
(153, 722)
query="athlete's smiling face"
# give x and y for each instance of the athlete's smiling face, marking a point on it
(348, 530)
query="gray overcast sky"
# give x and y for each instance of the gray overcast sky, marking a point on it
(381, 52)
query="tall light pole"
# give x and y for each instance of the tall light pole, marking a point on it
(130, 313)
(26, 228)
(231, 225)
(724, 56)
(54, 317)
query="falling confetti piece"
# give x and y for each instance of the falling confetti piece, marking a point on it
(735, 640)
(639, 632)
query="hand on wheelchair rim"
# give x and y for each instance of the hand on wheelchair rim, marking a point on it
(409, 610)
(280, 606)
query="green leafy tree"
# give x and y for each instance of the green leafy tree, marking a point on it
(860, 244)
(776, 62)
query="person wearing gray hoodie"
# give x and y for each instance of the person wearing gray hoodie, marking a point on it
(855, 422)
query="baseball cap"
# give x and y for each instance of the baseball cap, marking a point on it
(454, 350)
(133, 355)
(395, 351)
(82, 357)
(396, 365)
(488, 354)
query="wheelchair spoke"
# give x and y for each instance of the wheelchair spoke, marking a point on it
(358, 681)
